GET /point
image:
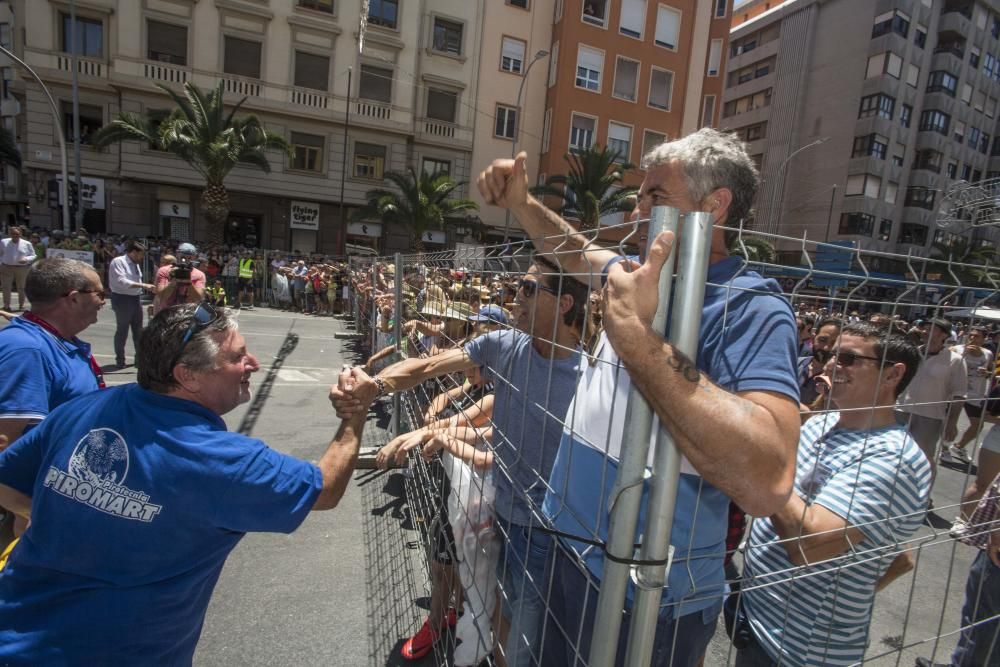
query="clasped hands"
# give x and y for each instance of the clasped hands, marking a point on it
(353, 393)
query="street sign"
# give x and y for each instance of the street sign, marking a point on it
(833, 260)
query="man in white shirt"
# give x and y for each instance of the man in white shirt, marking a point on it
(16, 257)
(125, 281)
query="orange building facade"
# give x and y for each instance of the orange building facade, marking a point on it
(629, 74)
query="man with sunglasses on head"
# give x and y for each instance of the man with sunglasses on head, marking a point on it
(44, 363)
(732, 410)
(139, 493)
(533, 369)
(812, 568)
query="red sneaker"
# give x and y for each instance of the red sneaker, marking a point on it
(421, 643)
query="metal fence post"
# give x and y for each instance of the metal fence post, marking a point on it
(353, 294)
(689, 297)
(374, 310)
(627, 493)
(397, 334)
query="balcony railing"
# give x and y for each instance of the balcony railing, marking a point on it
(437, 128)
(84, 66)
(373, 109)
(239, 86)
(168, 73)
(310, 98)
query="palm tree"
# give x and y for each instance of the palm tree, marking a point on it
(203, 134)
(961, 250)
(591, 189)
(419, 203)
(754, 249)
(9, 154)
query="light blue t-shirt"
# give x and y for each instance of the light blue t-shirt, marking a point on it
(529, 408)
(747, 342)
(137, 500)
(878, 481)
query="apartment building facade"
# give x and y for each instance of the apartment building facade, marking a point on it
(405, 100)
(629, 74)
(861, 114)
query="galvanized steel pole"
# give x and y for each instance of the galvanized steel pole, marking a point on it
(397, 334)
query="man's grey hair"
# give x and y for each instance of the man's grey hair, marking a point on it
(161, 343)
(711, 160)
(51, 279)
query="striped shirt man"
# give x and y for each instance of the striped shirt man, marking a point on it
(878, 480)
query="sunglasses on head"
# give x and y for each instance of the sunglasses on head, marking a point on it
(531, 287)
(204, 315)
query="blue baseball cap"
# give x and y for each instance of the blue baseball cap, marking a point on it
(492, 313)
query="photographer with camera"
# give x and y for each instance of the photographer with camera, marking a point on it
(179, 282)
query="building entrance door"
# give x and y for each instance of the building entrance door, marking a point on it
(243, 229)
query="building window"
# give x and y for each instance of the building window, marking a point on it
(523, 4)
(898, 153)
(89, 36)
(668, 27)
(720, 8)
(589, 63)
(894, 21)
(595, 12)
(626, 79)
(920, 36)
(91, 120)
(435, 167)
(547, 130)
(707, 110)
(941, 81)
(861, 224)
(932, 120)
(369, 161)
(959, 134)
(651, 140)
(912, 233)
(581, 135)
(447, 37)
(620, 141)
(890, 193)
(714, 57)
(441, 105)
(554, 64)
(884, 63)
(974, 134)
(974, 54)
(874, 145)
(512, 55)
(885, 229)
(966, 172)
(318, 5)
(912, 75)
(383, 13)
(984, 144)
(905, 115)
(375, 84)
(506, 122)
(747, 103)
(866, 185)
(951, 170)
(166, 43)
(920, 197)
(633, 18)
(312, 71)
(754, 132)
(877, 105)
(241, 57)
(661, 88)
(928, 160)
(307, 152)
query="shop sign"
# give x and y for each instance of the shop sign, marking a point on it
(175, 209)
(372, 229)
(304, 215)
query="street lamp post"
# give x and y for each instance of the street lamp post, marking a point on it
(779, 189)
(59, 135)
(517, 129)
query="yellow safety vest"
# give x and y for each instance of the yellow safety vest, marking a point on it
(246, 268)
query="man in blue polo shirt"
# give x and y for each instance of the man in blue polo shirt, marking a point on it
(733, 410)
(139, 493)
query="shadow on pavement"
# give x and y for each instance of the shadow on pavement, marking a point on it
(264, 390)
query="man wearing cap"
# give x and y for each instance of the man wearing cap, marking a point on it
(932, 403)
(125, 282)
(173, 286)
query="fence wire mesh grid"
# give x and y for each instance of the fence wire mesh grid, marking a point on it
(521, 427)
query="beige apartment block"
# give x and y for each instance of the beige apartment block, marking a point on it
(862, 114)
(410, 103)
(514, 33)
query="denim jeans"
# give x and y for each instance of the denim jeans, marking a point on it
(980, 644)
(522, 571)
(679, 642)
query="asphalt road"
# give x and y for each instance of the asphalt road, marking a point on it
(349, 584)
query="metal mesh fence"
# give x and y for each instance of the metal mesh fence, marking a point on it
(576, 460)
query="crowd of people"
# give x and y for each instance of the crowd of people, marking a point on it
(826, 429)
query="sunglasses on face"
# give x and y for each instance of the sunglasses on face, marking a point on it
(531, 287)
(204, 316)
(847, 359)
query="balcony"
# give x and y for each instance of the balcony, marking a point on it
(441, 132)
(373, 109)
(240, 86)
(157, 71)
(84, 66)
(305, 97)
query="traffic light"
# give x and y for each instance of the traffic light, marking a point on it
(74, 196)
